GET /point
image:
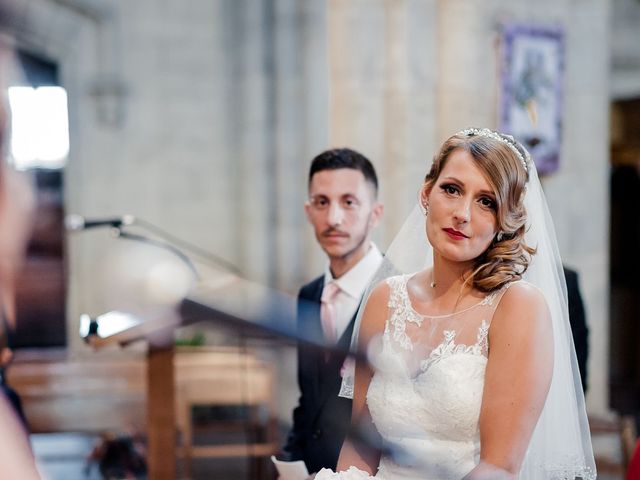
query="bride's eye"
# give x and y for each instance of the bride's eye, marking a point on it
(449, 188)
(487, 202)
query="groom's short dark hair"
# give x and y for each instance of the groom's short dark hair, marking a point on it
(344, 158)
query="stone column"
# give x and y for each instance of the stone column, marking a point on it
(382, 58)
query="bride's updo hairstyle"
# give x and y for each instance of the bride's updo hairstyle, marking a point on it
(505, 164)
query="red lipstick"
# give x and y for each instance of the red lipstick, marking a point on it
(455, 234)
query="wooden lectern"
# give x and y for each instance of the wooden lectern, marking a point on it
(248, 309)
(161, 419)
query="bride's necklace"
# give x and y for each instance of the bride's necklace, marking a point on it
(433, 284)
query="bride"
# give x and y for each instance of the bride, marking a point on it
(472, 370)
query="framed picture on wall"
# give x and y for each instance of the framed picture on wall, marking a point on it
(532, 71)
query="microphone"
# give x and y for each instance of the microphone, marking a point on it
(78, 222)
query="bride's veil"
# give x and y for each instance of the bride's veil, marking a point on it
(561, 444)
(560, 447)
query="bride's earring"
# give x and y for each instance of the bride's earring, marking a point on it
(499, 236)
(423, 204)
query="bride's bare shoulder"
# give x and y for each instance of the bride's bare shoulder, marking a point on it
(522, 294)
(522, 307)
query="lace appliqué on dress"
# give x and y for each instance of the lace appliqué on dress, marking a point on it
(449, 347)
(402, 311)
(488, 300)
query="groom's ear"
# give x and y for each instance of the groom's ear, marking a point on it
(376, 214)
(307, 210)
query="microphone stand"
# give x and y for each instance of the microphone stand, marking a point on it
(169, 241)
(120, 233)
(172, 242)
(160, 355)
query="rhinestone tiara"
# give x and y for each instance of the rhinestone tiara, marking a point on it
(508, 140)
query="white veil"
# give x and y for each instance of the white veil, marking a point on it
(560, 447)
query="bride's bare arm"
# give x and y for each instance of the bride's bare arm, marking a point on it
(517, 379)
(354, 451)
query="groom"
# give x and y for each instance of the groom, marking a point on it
(343, 209)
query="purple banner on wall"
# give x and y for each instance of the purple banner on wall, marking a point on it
(532, 71)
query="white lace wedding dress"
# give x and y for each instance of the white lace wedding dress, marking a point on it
(426, 393)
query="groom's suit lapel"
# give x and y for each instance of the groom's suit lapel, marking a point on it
(317, 370)
(334, 363)
(313, 329)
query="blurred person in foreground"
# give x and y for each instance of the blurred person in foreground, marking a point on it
(16, 205)
(472, 371)
(16, 212)
(343, 209)
(16, 215)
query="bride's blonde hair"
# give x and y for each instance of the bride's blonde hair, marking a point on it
(508, 256)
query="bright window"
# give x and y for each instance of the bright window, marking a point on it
(39, 127)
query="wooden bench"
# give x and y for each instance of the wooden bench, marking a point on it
(83, 395)
(108, 393)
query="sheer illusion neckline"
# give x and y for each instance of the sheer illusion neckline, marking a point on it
(486, 300)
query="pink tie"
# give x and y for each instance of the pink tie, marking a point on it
(328, 311)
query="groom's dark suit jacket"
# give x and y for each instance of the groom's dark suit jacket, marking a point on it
(321, 419)
(579, 328)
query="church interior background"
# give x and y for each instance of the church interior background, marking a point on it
(199, 119)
